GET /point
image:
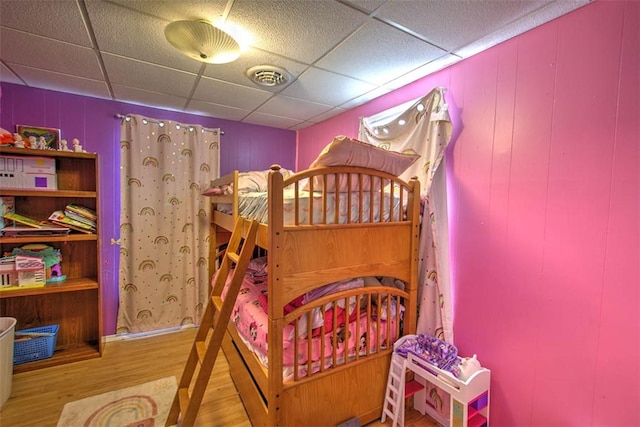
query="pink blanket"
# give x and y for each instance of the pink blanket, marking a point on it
(251, 320)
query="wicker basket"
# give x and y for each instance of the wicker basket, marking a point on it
(36, 347)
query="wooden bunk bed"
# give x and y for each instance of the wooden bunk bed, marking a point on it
(372, 232)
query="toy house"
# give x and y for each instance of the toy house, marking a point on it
(22, 271)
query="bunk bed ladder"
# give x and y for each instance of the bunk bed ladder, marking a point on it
(213, 325)
(395, 394)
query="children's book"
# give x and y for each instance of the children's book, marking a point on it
(22, 219)
(58, 217)
(23, 230)
(80, 218)
(7, 204)
(82, 211)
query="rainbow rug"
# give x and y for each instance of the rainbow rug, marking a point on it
(144, 405)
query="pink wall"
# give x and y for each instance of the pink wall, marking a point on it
(544, 188)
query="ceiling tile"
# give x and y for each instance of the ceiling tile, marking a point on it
(57, 20)
(223, 93)
(62, 82)
(435, 19)
(132, 34)
(216, 110)
(377, 53)
(285, 106)
(35, 52)
(422, 71)
(326, 115)
(170, 10)
(304, 30)
(270, 120)
(326, 88)
(366, 97)
(128, 72)
(367, 5)
(144, 97)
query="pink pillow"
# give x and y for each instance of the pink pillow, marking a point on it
(344, 151)
(215, 191)
(248, 182)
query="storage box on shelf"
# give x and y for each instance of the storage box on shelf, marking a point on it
(36, 173)
(73, 303)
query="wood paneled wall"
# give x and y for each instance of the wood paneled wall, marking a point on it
(543, 186)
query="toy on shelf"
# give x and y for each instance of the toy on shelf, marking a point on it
(12, 139)
(51, 257)
(18, 142)
(75, 143)
(42, 143)
(5, 137)
(21, 271)
(64, 145)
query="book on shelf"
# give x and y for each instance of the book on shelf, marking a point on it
(81, 211)
(25, 231)
(21, 219)
(80, 218)
(7, 204)
(58, 217)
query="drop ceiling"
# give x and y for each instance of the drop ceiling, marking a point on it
(339, 54)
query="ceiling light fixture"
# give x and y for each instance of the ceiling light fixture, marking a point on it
(202, 41)
(268, 75)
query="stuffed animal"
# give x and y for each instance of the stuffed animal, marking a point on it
(468, 366)
(6, 138)
(18, 142)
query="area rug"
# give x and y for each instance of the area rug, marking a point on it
(144, 405)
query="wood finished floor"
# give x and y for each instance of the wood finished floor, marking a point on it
(37, 397)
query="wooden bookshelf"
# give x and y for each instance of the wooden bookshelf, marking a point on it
(73, 304)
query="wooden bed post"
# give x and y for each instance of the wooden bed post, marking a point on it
(275, 303)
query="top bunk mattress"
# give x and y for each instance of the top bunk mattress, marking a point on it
(369, 208)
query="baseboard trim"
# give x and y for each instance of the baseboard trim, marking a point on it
(142, 335)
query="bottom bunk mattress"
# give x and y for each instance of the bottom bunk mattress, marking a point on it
(358, 331)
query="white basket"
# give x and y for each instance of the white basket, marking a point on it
(7, 334)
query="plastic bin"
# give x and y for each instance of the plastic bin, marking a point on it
(7, 332)
(40, 346)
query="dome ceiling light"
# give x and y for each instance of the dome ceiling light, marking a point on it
(202, 41)
(268, 75)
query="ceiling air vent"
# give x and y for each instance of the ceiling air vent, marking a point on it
(268, 75)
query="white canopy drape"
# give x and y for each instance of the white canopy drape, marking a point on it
(424, 125)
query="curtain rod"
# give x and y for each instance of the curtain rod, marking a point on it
(145, 121)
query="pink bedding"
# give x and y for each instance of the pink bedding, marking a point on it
(251, 320)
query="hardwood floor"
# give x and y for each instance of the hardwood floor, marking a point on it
(37, 397)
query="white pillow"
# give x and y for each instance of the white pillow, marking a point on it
(257, 181)
(344, 151)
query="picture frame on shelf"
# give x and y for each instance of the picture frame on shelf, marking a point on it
(51, 135)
